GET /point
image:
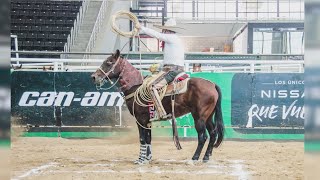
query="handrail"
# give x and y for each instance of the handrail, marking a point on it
(96, 29)
(246, 66)
(76, 26)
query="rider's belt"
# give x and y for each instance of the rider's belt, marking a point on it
(172, 67)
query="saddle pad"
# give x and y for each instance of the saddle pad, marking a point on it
(182, 76)
(177, 87)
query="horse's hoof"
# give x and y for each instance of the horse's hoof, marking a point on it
(142, 162)
(195, 158)
(205, 159)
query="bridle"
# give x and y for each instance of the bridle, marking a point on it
(106, 74)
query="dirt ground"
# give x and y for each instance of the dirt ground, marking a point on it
(4, 163)
(58, 158)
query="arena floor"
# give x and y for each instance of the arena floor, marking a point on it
(58, 158)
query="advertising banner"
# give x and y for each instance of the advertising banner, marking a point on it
(269, 101)
(63, 98)
(253, 105)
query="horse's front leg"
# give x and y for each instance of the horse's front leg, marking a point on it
(145, 146)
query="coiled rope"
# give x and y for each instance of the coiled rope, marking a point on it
(143, 93)
(126, 15)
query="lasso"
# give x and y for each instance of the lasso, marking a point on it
(143, 92)
(126, 15)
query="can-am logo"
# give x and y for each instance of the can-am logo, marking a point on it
(33, 98)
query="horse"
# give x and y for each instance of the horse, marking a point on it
(202, 99)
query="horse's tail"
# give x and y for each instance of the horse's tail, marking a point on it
(218, 119)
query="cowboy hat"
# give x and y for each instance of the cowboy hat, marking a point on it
(170, 25)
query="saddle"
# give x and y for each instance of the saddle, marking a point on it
(179, 85)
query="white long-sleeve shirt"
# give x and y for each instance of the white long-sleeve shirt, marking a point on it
(173, 50)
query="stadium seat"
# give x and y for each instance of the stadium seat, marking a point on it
(24, 14)
(15, 29)
(42, 36)
(59, 45)
(46, 28)
(60, 22)
(40, 22)
(21, 36)
(56, 8)
(49, 45)
(57, 29)
(20, 44)
(27, 45)
(31, 37)
(66, 29)
(63, 37)
(16, 6)
(25, 28)
(43, 24)
(69, 22)
(44, 13)
(14, 13)
(34, 13)
(54, 37)
(28, 7)
(36, 29)
(29, 22)
(38, 45)
(50, 22)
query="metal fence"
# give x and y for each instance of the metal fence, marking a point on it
(208, 62)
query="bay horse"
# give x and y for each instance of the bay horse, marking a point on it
(202, 99)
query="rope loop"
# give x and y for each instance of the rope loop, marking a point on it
(125, 15)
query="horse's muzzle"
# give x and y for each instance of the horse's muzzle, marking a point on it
(95, 78)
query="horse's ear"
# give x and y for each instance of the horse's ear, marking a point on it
(117, 54)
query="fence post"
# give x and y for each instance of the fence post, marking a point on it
(186, 67)
(251, 67)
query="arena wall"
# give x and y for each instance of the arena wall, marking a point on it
(255, 106)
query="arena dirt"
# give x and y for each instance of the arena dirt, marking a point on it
(59, 158)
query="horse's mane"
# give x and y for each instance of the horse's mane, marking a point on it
(129, 76)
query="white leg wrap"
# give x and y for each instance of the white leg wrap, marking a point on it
(145, 154)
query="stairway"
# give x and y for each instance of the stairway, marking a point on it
(85, 30)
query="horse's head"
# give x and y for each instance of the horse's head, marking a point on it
(109, 69)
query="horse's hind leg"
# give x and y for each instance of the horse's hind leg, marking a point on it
(202, 136)
(210, 127)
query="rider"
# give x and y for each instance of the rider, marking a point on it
(173, 61)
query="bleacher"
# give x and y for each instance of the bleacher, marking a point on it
(42, 25)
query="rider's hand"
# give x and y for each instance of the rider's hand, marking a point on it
(138, 26)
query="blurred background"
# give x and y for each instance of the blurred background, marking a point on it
(312, 89)
(4, 89)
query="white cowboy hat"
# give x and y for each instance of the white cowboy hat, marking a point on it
(171, 25)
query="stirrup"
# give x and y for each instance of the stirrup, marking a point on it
(163, 118)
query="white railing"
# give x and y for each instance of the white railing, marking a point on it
(76, 26)
(15, 37)
(96, 29)
(245, 66)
